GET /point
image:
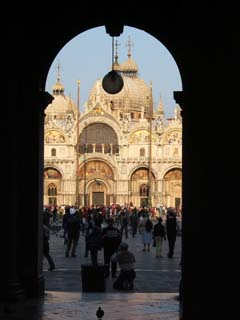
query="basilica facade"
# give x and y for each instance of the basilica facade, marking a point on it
(118, 150)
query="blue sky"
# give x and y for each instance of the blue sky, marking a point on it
(88, 57)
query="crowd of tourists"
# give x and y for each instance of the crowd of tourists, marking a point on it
(104, 228)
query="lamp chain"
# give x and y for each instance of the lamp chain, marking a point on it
(112, 53)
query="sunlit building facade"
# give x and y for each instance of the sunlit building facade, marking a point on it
(120, 149)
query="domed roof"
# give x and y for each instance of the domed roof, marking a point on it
(61, 104)
(134, 96)
(58, 88)
(129, 67)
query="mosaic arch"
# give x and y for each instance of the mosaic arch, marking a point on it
(52, 173)
(95, 169)
(173, 137)
(141, 174)
(174, 174)
(142, 136)
(54, 136)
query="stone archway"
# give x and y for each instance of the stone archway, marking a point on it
(96, 182)
(199, 47)
(172, 186)
(52, 186)
(97, 191)
(139, 187)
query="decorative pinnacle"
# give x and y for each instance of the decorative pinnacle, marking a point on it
(116, 50)
(129, 45)
(58, 72)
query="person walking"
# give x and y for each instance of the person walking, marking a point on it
(147, 234)
(134, 221)
(46, 247)
(64, 223)
(159, 234)
(73, 227)
(124, 221)
(171, 230)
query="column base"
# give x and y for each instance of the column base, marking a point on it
(34, 287)
(13, 294)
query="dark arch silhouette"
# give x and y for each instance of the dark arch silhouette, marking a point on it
(200, 42)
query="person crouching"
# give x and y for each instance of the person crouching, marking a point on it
(126, 262)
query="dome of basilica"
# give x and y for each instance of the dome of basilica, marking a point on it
(134, 96)
(60, 103)
(129, 67)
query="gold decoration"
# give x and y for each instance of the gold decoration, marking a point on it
(96, 169)
(141, 136)
(98, 111)
(54, 136)
(174, 175)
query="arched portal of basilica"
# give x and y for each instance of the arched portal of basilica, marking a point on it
(52, 185)
(139, 187)
(96, 183)
(173, 188)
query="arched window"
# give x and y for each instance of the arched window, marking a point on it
(142, 152)
(98, 134)
(53, 152)
(143, 190)
(52, 190)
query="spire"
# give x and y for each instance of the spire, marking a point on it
(116, 65)
(58, 88)
(151, 101)
(129, 67)
(78, 94)
(129, 44)
(70, 105)
(160, 107)
(58, 72)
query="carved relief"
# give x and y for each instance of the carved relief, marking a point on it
(65, 123)
(124, 121)
(173, 137)
(159, 125)
(141, 136)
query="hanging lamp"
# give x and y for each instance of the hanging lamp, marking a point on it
(112, 82)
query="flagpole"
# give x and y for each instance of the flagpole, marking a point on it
(150, 150)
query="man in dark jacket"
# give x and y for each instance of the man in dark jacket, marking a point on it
(159, 235)
(112, 238)
(73, 227)
(171, 228)
(94, 243)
